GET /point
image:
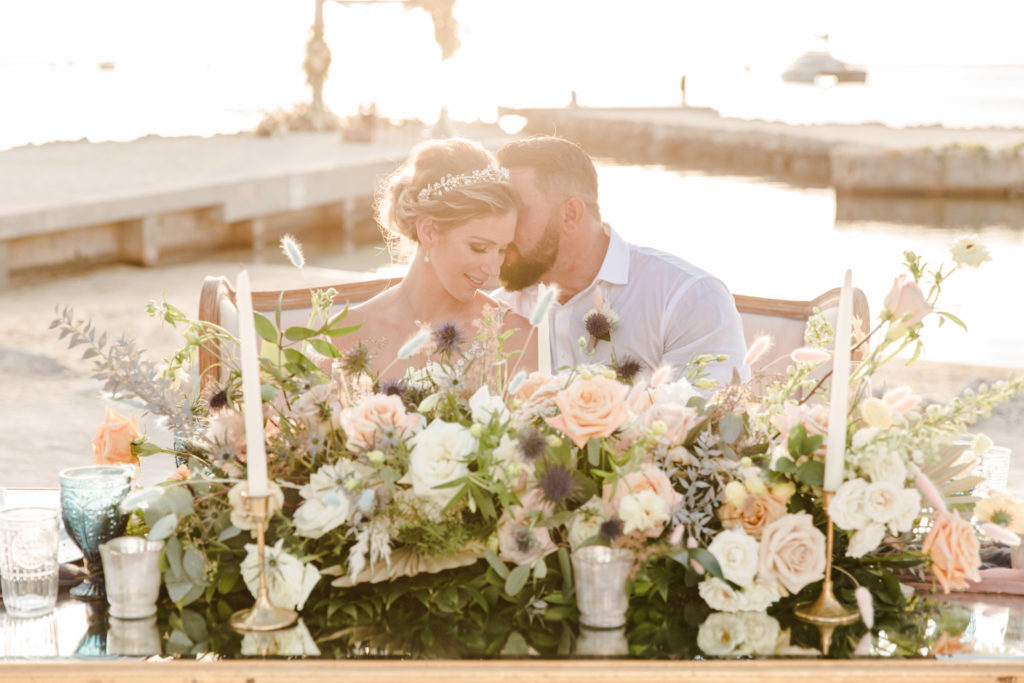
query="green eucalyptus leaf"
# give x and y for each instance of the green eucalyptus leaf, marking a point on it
(178, 500)
(730, 428)
(228, 533)
(516, 645)
(195, 625)
(173, 553)
(264, 328)
(195, 566)
(177, 590)
(517, 579)
(299, 333)
(496, 564)
(325, 348)
(227, 581)
(341, 331)
(708, 561)
(812, 473)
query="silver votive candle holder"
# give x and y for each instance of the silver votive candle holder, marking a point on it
(600, 573)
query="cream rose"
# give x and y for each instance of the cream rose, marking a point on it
(761, 633)
(720, 595)
(882, 501)
(113, 442)
(905, 303)
(969, 251)
(485, 407)
(954, 549)
(241, 516)
(793, 551)
(590, 407)
(737, 555)
(376, 419)
(438, 457)
(887, 466)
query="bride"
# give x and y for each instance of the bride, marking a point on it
(454, 208)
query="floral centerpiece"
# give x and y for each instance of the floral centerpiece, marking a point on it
(460, 490)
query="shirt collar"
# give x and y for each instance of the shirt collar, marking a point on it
(615, 267)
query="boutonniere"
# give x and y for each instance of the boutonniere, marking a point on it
(601, 320)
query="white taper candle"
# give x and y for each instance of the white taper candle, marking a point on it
(255, 451)
(836, 454)
(544, 339)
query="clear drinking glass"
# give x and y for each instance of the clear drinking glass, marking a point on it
(994, 466)
(28, 560)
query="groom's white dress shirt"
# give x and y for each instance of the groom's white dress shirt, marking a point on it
(669, 310)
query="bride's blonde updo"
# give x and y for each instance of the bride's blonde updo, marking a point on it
(419, 189)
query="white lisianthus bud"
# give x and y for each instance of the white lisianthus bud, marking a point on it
(429, 403)
(476, 429)
(376, 457)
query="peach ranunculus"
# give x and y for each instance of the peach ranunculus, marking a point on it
(906, 303)
(793, 551)
(814, 418)
(954, 549)
(754, 514)
(376, 420)
(536, 396)
(590, 407)
(113, 442)
(521, 537)
(647, 478)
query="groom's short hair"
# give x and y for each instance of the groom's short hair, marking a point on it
(561, 166)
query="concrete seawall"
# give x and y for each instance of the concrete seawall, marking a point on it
(866, 159)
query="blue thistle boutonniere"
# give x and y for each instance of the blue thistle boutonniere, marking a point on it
(601, 320)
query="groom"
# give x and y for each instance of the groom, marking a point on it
(668, 310)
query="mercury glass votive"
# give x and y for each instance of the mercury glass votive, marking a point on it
(601, 574)
(90, 501)
(131, 567)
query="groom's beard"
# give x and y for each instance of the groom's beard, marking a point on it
(526, 269)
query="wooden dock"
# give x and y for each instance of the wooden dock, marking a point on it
(862, 159)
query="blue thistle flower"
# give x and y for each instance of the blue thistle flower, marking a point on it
(610, 530)
(598, 326)
(557, 483)
(532, 445)
(627, 368)
(448, 337)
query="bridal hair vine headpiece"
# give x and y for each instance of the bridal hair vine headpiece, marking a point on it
(491, 174)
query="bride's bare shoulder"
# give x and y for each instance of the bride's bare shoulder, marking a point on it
(373, 316)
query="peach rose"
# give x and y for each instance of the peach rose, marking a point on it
(647, 478)
(754, 514)
(949, 645)
(906, 303)
(590, 407)
(375, 419)
(113, 442)
(793, 551)
(954, 549)
(531, 387)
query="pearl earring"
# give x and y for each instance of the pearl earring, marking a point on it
(426, 258)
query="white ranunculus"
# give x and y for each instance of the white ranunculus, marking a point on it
(737, 555)
(438, 457)
(847, 508)
(910, 509)
(484, 407)
(678, 392)
(761, 595)
(968, 251)
(642, 511)
(289, 581)
(585, 522)
(888, 466)
(865, 540)
(317, 516)
(882, 501)
(721, 596)
(721, 634)
(762, 632)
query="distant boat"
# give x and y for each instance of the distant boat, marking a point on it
(106, 66)
(811, 66)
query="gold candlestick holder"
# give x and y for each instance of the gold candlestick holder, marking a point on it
(827, 612)
(263, 615)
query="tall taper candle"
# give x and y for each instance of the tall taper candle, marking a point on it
(255, 451)
(836, 453)
(544, 338)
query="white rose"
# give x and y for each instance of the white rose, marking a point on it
(317, 516)
(968, 251)
(761, 631)
(289, 581)
(882, 501)
(642, 511)
(865, 540)
(485, 407)
(721, 635)
(761, 595)
(438, 457)
(721, 596)
(888, 466)
(847, 508)
(863, 436)
(910, 509)
(737, 555)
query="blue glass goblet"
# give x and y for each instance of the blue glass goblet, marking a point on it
(90, 502)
